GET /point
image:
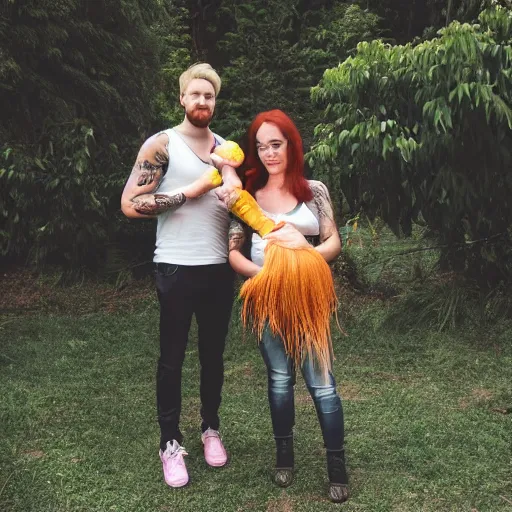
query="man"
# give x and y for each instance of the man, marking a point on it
(171, 180)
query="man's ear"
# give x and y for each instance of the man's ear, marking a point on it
(181, 100)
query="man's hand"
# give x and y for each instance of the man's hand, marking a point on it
(209, 180)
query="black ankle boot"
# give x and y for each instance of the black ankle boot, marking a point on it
(338, 478)
(284, 461)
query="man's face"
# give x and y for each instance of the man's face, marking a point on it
(198, 100)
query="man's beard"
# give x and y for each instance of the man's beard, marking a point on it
(200, 117)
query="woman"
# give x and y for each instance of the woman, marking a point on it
(276, 179)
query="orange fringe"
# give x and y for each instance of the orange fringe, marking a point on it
(294, 292)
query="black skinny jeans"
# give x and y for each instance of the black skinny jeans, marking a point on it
(207, 292)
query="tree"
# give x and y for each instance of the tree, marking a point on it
(405, 20)
(176, 56)
(274, 52)
(423, 133)
(77, 81)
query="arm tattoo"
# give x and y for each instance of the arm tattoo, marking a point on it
(236, 236)
(322, 200)
(155, 204)
(325, 211)
(146, 177)
(149, 172)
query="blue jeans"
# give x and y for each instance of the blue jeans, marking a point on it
(281, 381)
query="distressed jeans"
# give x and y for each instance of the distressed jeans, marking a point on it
(281, 382)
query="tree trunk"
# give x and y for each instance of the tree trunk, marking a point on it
(448, 12)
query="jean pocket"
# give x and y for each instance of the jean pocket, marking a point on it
(167, 278)
(166, 269)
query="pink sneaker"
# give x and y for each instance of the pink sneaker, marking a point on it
(214, 451)
(175, 471)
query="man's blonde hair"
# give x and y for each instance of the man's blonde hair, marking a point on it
(200, 70)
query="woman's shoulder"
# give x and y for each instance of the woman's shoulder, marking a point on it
(320, 205)
(319, 189)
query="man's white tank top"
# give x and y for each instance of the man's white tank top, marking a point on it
(301, 217)
(197, 232)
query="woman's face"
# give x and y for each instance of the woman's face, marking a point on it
(271, 146)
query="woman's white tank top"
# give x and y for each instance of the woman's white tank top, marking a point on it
(301, 217)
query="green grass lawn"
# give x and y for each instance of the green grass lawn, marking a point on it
(426, 414)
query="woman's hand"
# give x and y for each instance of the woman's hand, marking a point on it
(227, 153)
(220, 162)
(288, 236)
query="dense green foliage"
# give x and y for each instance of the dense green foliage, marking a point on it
(423, 133)
(76, 93)
(84, 83)
(406, 20)
(277, 53)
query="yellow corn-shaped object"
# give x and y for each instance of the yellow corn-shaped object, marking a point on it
(246, 208)
(230, 150)
(215, 176)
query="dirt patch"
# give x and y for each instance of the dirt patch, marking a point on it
(350, 391)
(34, 454)
(248, 370)
(282, 504)
(25, 292)
(481, 394)
(478, 396)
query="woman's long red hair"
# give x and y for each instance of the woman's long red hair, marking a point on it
(256, 176)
